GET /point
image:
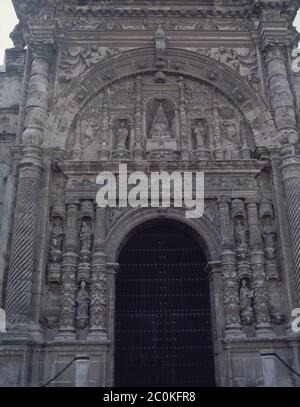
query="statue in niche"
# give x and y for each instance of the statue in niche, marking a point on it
(57, 235)
(160, 43)
(246, 302)
(85, 237)
(240, 232)
(56, 240)
(89, 127)
(199, 134)
(160, 128)
(122, 135)
(82, 301)
(231, 139)
(269, 237)
(231, 132)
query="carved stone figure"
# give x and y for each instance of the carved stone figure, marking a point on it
(122, 135)
(199, 134)
(160, 129)
(240, 233)
(86, 237)
(82, 302)
(56, 240)
(17, 37)
(246, 303)
(160, 43)
(269, 236)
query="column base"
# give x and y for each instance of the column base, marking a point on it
(234, 331)
(96, 334)
(66, 334)
(16, 332)
(264, 331)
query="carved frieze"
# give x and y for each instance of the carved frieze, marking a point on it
(241, 60)
(76, 60)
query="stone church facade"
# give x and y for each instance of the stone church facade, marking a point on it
(161, 86)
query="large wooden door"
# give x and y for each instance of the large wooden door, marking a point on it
(162, 325)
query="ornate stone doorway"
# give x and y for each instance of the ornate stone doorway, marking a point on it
(162, 325)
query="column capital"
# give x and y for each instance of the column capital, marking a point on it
(41, 49)
(274, 49)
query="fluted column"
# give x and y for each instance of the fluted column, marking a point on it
(25, 226)
(68, 278)
(285, 117)
(98, 287)
(230, 283)
(261, 302)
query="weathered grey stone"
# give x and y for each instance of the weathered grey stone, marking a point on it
(177, 88)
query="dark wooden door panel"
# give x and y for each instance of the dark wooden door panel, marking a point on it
(162, 329)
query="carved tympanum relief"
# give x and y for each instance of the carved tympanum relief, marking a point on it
(76, 60)
(171, 118)
(241, 60)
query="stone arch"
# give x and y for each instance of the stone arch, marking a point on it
(202, 229)
(180, 62)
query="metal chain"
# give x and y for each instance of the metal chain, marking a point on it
(59, 373)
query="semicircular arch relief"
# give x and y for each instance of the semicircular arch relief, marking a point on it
(222, 100)
(144, 118)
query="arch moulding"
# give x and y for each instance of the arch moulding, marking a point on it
(203, 230)
(80, 91)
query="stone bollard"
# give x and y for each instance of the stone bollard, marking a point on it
(82, 365)
(269, 368)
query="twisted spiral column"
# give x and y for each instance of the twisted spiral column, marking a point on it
(290, 168)
(25, 226)
(22, 254)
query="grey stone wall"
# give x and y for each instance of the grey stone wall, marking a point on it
(93, 84)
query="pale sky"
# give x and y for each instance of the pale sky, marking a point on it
(8, 20)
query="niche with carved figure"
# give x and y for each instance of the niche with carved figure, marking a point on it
(121, 137)
(161, 126)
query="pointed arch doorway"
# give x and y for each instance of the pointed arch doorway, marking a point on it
(162, 314)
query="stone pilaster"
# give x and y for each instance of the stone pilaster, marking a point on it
(230, 283)
(183, 122)
(138, 149)
(261, 303)
(98, 286)
(68, 278)
(25, 227)
(104, 139)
